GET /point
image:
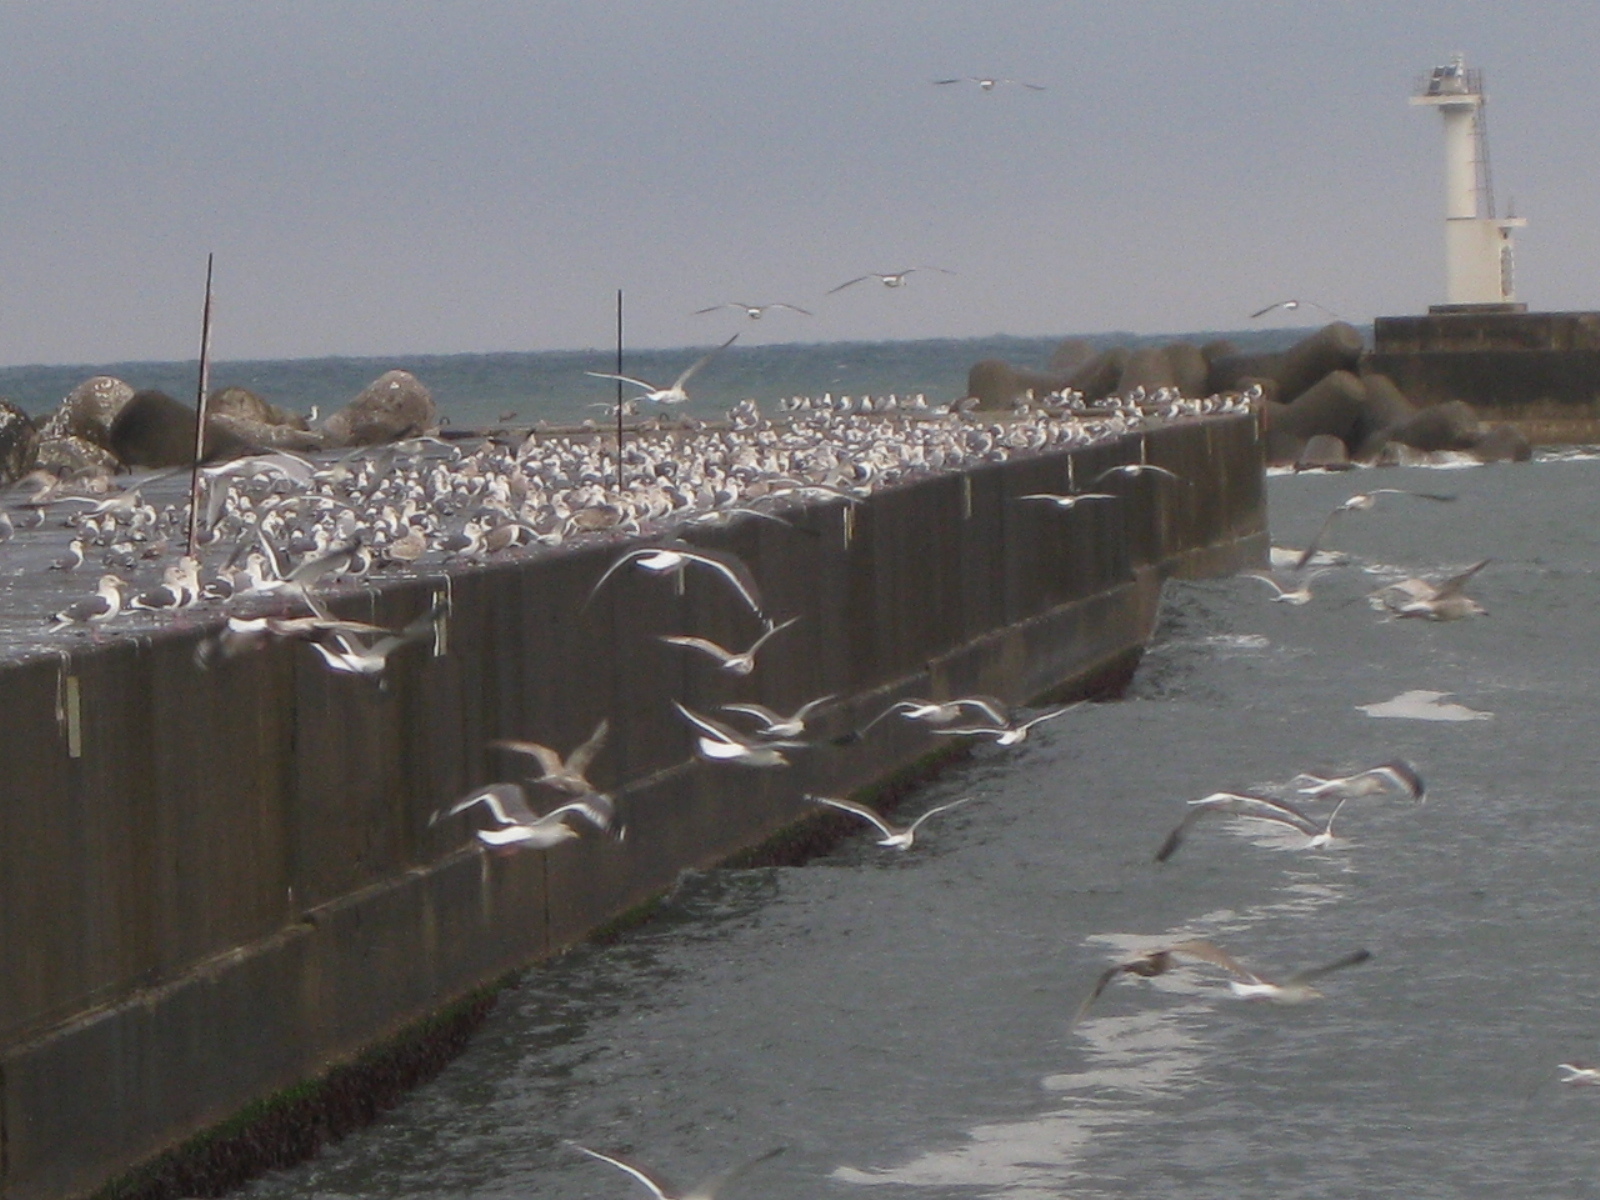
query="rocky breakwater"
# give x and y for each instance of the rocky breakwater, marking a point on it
(1319, 401)
(104, 425)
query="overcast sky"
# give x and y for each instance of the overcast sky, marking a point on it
(406, 178)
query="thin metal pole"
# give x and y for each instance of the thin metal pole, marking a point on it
(202, 388)
(619, 393)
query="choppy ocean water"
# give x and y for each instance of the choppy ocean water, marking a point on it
(900, 1022)
(474, 390)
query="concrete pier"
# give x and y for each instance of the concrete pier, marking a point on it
(215, 885)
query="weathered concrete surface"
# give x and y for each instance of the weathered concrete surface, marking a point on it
(1539, 371)
(234, 884)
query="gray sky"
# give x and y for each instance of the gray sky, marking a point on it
(405, 177)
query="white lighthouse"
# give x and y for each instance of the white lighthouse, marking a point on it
(1477, 244)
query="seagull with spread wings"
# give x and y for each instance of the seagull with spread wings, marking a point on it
(673, 393)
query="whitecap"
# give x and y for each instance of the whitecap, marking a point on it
(1423, 706)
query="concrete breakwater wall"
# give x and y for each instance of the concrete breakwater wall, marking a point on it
(216, 884)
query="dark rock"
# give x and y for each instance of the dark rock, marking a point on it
(999, 385)
(1386, 405)
(1218, 348)
(1097, 378)
(1502, 443)
(1332, 406)
(1189, 368)
(228, 429)
(19, 442)
(395, 405)
(247, 406)
(89, 411)
(1452, 425)
(154, 430)
(1070, 355)
(1323, 452)
(1335, 347)
(1147, 367)
(74, 457)
(1282, 448)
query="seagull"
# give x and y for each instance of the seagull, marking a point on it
(754, 311)
(1361, 502)
(567, 775)
(1010, 733)
(1069, 501)
(1397, 772)
(1291, 305)
(777, 725)
(1579, 1075)
(988, 84)
(1257, 808)
(105, 604)
(898, 837)
(1447, 602)
(1146, 966)
(1296, 596)
(1134, 470)
(718, 743)
(520, 827)
(675, 393)
(675, 556)
(344, 653)
(936, 713)
(1296, 989)
(1409, 592)
(72, 559)
(734, 664)
(891, 279)
(706, 1189)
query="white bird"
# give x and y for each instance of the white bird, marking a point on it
(673, 394)
(1257, 808)
(104, 605)
(1579, 1075)
(989, 83)
(520, 827)
(1419, 596)
(1291, 305)
(1296, 989)
(344, 653)
(897, 837)
(936, 713)
(1397, 772)
(727, 660)
(1362, 502)
(1134, 470)
(775, 725)
(570, 774)
(754, 311)
(668, 559)
(721, 744)
(1010, 733)
(1069, 501)
(706, 1189)
(1293, 595)
(891, 279)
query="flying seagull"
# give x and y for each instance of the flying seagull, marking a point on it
(1069, 501)
(675, 556)
(706, 1189)
(891, 279)
(1396, 773)
(1291, 306)
(727, 660)
(988, 83)
(1448, 601)
(1408, 593)
(519, 827)
(1257, 808)
(675, 393)
(1010, 733)
(1291, 595)
(898, 837)
(776, 725)
(1134, 470)
(1362, 502)
(570, 774)
(719, 743)
(1295, 989)
(937, 713)
(754, 311)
